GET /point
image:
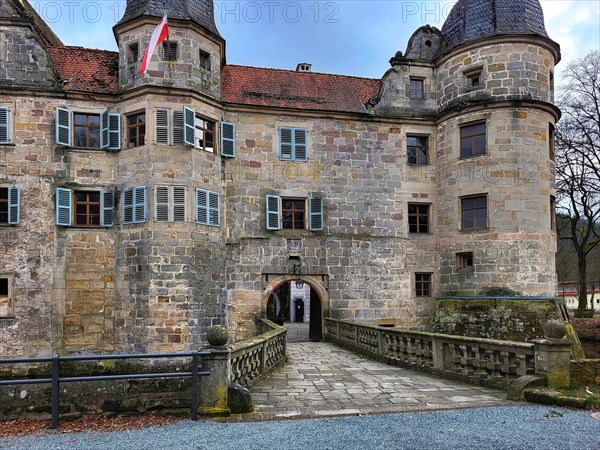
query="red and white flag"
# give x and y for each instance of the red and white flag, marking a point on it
(160, 34)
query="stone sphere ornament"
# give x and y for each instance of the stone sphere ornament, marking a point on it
(555, 329)
(217, 335)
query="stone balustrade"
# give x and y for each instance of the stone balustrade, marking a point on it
(486, 361)
(255, 359)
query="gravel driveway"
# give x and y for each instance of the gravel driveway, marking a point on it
(507, 427)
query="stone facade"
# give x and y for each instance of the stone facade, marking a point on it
(158, 283)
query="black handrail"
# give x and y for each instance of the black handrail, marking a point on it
(56, 379)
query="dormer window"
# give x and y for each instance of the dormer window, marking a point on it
(204, 59)
(133, 53)
(416, 88)
(169, 51)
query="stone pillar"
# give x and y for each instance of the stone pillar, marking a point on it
(213, 389)
(552, 360)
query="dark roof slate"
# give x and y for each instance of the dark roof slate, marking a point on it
(199, 11)
(470, 20)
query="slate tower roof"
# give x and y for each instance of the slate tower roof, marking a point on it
(471, 20)
(198, 11)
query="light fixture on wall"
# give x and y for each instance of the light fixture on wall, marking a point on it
(299, 283)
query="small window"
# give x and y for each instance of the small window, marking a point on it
(474, 212)
(10, 198)
(6, 295)
(416, 88)
(474, 79)
(293, 144)
(464, 260)
(136, 130)
(552, 213)
(134, 53)
(551, 141)
(293, 213)
(204, 59)
(170, 203)
(87, 208)
(169, 51)
(417, 150)
(87, 130)
(423, 284)
(472, 140)
(418, 218)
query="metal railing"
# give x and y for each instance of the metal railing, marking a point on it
(56, 379)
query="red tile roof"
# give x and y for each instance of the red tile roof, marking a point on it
(290, 89)
(87, 69)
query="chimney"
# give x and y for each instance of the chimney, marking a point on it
(304, 67)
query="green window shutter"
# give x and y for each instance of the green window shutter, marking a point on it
(227, 140)
(14, 207)
(114, 131)
(202, 206)
(63, 126)
(4, 125)
(161, 203)
(300, 138)
(127, 205)
(214, 209)
(315, 207)
(189, 128)
(178, 204)
(161, 126)
(139, 204)
(286, 144)
(108, 208)
(64, 198)
(178, 128)
(273, 212)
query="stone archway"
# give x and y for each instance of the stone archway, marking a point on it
(319, 301)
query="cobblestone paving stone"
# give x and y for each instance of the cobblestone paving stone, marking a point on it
(322, 379)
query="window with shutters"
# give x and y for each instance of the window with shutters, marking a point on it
(134, 205)
(423, 284)
(204, 59)
(204, 135)
(136, 129)
(9, 205)
(88, 130)
(7, 309)
(4, 125)
(285, 213)
(293, 144)
(169, 203)
(169, 51)
(472, 140)
(84, 208)
(474, 212)
(416, 149)
(208, 208)
(168, 127)
(418, 218)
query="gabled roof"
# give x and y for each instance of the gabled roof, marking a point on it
(86, 70)
(301, 90)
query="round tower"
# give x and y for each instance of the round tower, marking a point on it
(190, 58)
(495, 149)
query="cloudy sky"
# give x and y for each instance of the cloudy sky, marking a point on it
(351, 37)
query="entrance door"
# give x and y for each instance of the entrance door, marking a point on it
(315, 329)
(299, 310)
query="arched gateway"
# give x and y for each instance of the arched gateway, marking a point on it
(284, 294)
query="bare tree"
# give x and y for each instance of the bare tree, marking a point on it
(578, 162)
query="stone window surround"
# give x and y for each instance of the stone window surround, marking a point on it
(423, 284)
(133, 52)
(7, 305)
(204, 59)
(464, 260)
(461, 216)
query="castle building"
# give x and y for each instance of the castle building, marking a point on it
(138, 210)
